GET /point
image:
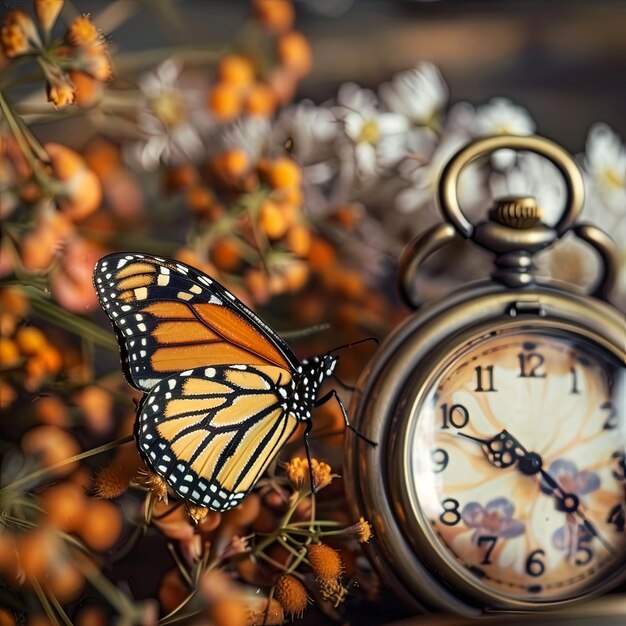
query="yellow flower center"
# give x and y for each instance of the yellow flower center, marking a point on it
(370, 132)
(169, 108)
(612, 178)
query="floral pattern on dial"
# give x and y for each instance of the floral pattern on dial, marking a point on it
(517, 459)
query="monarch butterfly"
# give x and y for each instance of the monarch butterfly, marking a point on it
(223, 391)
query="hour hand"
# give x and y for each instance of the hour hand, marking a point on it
(502, 450)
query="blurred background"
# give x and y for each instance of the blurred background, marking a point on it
(290, 150)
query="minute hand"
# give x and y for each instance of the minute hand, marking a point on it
(503, 450)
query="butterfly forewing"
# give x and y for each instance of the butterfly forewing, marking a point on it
(169, 317)
(211, 431)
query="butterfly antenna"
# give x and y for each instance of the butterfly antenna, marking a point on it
(355, 343)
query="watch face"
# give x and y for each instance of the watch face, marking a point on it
(517, 459)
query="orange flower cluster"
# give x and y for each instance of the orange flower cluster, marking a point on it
(250, 220)
(75, 68)
(256, 82)
(27, 357)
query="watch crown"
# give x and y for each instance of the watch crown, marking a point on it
(520, 212)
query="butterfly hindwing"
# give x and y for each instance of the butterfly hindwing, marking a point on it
(211, 431)
(170, 317)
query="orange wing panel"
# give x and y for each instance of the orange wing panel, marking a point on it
(238, 332)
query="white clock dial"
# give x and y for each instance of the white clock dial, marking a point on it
(518, 464)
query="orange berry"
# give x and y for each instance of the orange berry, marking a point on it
(236, 70)
(203, 202)
(260, 100)
(291, 594)
(36, 549)
(271, 220)
(285, 173)
(30, 340)
(65, 505)
(96, 405)
(294, 53)
(225, 101)
(228, 611)
(351, 284)
(299, 240)
(291, 197)
(296, 275)
(37, 249)
(9, 353)
(102, 525)
(172, 591)
(52, 410)
(92, 616)
(66, 163)
(51, 359)
(65, 581)
(180, 177)
(14, 301)
(231, 166)
(257, 285)
(7, 395)
(6, 618)
(321, 255)
(102, 157)
(51, 445)
(225, 253)
(87, 90)
(277, 16)
(83, 192)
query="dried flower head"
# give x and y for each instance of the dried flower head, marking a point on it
(333, 591)
(363, 530)
(325, 561)
(291, 595)
(297, 471)
(83, 32)
(18, 33)
(237, 545)
(112, 481)
(197, 513)
(152, 482)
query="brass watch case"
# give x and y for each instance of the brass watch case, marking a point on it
(387, 403)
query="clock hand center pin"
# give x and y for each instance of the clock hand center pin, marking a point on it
(503, 450)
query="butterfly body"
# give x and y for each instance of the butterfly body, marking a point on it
(224, 392)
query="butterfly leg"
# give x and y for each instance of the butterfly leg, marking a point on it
(307, 430)
(333, 394)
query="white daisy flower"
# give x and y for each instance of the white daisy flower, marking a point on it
(605, 166)
(501, 117)
(420, 95)
(376, 139)
(425, 176)
(169, 132)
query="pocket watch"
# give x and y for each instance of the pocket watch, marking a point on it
(498, 482)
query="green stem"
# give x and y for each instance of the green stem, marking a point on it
(21, 140)
(47, 471)
(54, 313)
(44, 602)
